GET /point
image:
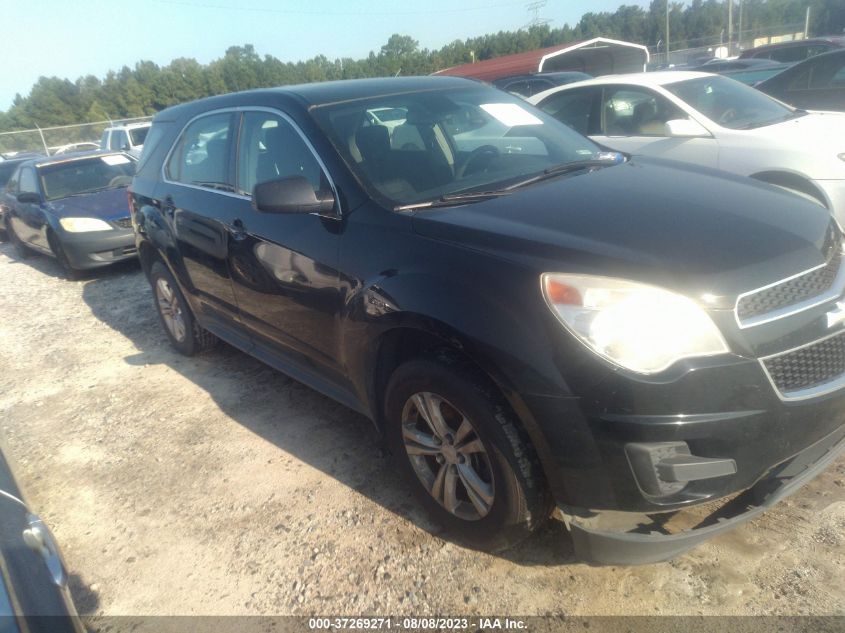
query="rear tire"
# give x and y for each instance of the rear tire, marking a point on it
(184, 333)
(470, 468)
(21, 249)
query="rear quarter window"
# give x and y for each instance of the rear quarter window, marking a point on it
(152, 142)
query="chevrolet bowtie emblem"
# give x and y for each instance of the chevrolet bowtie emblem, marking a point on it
(837, 316)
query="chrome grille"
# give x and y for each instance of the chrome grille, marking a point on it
(808, 367)
(798, 289)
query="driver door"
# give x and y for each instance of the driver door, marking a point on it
(633, 120)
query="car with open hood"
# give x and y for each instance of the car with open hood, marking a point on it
(531, 320)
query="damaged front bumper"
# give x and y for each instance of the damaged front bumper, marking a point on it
(649, 542)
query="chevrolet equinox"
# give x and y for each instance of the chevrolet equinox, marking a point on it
(533, 322)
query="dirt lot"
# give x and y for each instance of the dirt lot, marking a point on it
(215, 485)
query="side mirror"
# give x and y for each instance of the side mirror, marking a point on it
(293, 194)
(685, 128)
(29, 197)
(125, 147)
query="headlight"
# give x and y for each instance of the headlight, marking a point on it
(84, 225)
(639, 327)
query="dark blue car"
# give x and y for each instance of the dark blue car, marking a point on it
(73, 208)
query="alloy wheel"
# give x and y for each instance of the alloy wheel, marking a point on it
(171, 309)
(448, 456)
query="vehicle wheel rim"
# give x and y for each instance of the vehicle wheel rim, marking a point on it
(448, 456)
(170, 309)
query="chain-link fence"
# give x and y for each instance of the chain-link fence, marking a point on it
(717, 46)
(50, 140)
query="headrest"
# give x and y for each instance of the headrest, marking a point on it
(373, 141)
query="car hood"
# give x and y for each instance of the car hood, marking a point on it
(109, 204)
(820, 135)
(693, 230)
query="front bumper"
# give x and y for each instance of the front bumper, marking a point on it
(639, 546)
(99, 248)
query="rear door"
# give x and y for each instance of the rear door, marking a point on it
(633, 120)
(284, 265)
(197, 195)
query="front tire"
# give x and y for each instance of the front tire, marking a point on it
(183, 332)
(70, 272)
(21, 249)
(457, 443)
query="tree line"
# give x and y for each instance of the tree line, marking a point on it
(148, 87)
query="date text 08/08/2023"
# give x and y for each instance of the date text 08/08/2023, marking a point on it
(412, 623)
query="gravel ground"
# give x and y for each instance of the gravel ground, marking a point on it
(215, 485)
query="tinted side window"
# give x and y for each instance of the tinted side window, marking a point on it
(520, 88)
(28, 183)
(838, 80)
(201, 155)
(573, 107)
(536, 86)
(827, 73)
(637, 112)
(791, 54)
(270, 148)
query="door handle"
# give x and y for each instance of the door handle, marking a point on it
(237, 229)
(168, 207)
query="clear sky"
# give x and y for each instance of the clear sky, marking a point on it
(71, 38)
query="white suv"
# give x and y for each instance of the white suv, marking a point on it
(127, 138)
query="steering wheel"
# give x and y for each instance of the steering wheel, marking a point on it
(727, 115)
(120, 181)
(482, 155)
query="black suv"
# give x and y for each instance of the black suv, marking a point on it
(531, 320)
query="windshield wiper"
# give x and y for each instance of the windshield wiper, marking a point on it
(477, 196)
(453, 199)
(563, 168)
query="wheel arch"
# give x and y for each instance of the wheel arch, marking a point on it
(794, 182)
(426, 339)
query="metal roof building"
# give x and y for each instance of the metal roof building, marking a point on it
(598, 56)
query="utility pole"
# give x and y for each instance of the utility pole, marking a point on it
(807, 23)
(534, 8)
(739, 30)
(730, 27)
(667, 33)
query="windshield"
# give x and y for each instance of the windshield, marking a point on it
(444, 142)
(137, 135)
(86, 175)
(731, 104)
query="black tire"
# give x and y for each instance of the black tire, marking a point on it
(20, 248)
(520, 500)
(194, 338)
(70, 272)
